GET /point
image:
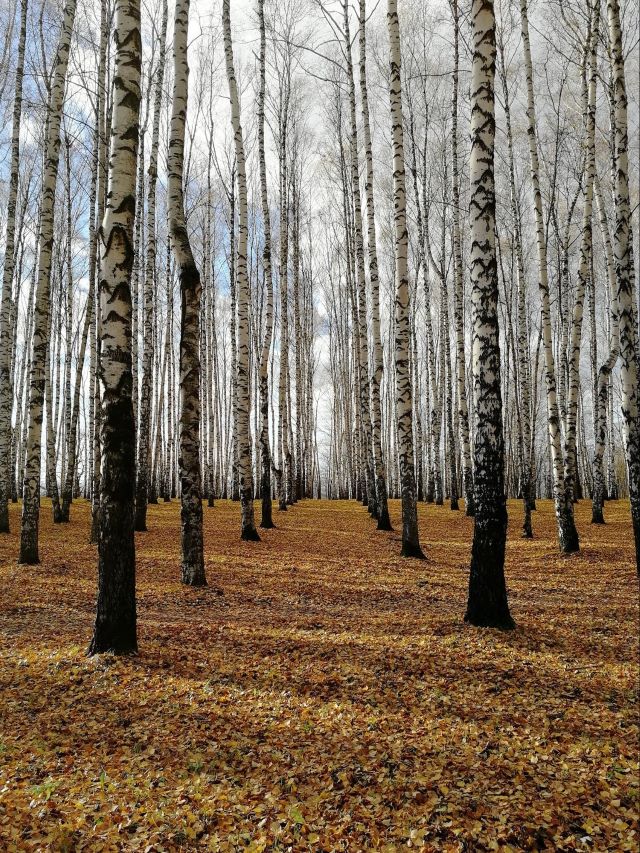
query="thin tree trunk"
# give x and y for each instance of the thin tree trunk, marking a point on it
(192, 569)
(567, 533)
(40, 343)
(144, 446)
(265, 486)
(6, 305)
(410, 536)
(248, 527)
(458, 279)
(622, 250)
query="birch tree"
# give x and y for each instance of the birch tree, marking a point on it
(40, 336)
(248, 527)
(115, 625)
(404, 415)
(487, 603)
(6, 304)
(192, 569)
(567, 533)
(622, 250)
(267, 516)
(144, 426)
(384, 522)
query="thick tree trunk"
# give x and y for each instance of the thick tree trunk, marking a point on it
(487, 603)
(115, 626)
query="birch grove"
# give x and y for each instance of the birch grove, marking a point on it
(384, 253)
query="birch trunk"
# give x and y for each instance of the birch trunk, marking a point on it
(384, 522)
(144, 447)
(487, 603)
(604, 373)
(115, 626)
(248, 527)
(567, 533)
(584, 265)
(524, 385)
(40, 343)
(6, 305)
(265, 486)
(622, 250)
(192, 567)
(404, 415)
(458, 280)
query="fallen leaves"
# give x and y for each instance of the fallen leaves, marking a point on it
(322, 693)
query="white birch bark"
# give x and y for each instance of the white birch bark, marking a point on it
(404, 414)
(192, 565)
(458, 279)
(487, 603)
(115, 626)
(384, 522)
(584, 265)
(144, 446)
(40, 341)
(6, 304)
(622, 250)
(567, 533)
(248, 527)
(266, 520)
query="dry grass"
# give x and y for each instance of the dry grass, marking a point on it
(322, 693)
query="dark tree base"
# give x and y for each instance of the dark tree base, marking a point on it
(210, 502)
(193, 576)
(113, 639)
(282, 507)
(597, 516)
(480, 620)
(250, 534)
(267, 525)
(29, 558)
(487, 604)
(410, 549)
(454, 504)
(569, 539)
(140, 518)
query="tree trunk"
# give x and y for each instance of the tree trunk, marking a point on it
(567, 533)
(40, 344)
(248, 527)
(115, 626)
(487, 603)
(144, 425)
(192, 569)
(622, 250)
(404, 416)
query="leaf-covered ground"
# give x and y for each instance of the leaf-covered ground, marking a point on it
(322, 693)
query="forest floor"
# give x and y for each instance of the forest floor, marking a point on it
(322, 693)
